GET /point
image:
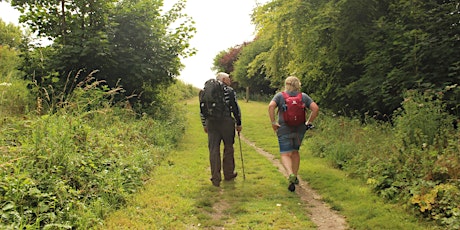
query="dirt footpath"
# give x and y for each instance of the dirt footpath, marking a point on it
(320, 213)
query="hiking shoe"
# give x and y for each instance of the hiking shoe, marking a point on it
(231, 177)
(293, 178)
(291, 187)
(296, 180)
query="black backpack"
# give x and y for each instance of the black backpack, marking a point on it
(212, 101)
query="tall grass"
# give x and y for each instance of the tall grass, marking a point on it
(69, 167)
(414, 162)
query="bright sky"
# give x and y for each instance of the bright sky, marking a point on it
(220, 24)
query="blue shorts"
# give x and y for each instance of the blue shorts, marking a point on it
(290, 142)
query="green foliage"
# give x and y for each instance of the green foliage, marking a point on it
(145, 52)
(224, 61)
(133, 44)
(10, 41)
(183, 90)
(69, 168)
(413, 162)
(9, 59)
(249, 70)
(15, 98)
(10, 35)
(422, 121)
(369, 148)
(344, 51)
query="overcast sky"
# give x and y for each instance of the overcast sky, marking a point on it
(220, 24)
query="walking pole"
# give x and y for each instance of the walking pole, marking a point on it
(241, 152)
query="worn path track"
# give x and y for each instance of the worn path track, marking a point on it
(320, 213)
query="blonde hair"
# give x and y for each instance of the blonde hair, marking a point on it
(292, 84)
(221, 76)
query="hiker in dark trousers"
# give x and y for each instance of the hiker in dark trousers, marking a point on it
(290, 137)
(223, 130)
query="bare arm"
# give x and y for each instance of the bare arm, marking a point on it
(271, 113)
(314, 112)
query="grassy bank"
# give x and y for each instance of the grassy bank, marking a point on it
(68, 167)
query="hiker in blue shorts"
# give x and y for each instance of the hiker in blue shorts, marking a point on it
(290, 136)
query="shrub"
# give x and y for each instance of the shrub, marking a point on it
(414, 162)
(79, 161)
(15, 98)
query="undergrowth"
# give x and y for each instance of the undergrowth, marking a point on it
(414, 162)
(68, 164)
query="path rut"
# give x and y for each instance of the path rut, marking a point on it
(320, 213)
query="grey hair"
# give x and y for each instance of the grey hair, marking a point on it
(221, 76)
(292, 84)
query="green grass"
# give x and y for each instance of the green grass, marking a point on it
(351, 197)
(71, 167)
(179, 194)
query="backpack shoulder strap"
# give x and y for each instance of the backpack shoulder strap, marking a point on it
(285, 95)
(299, 95)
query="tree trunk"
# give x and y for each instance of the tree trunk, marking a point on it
(247, 93)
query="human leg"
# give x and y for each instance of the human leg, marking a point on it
(295, 158)
(228, 137)
(214, 140)
(297, 141)
(286, 161)
(228, 162)
(289, 158)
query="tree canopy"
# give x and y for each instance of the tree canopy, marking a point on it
(357, 56)
(131, 43)
(11, 38)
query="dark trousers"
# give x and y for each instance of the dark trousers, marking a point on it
(222, 130)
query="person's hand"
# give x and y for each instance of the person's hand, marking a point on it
(239, 128)
(276, 126)
(205, 129)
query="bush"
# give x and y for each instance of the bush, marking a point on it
(82, 159)
(15, 98)
(415, 162)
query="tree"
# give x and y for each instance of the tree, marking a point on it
(414, 46)
(359, 57)
(145, 52)
(249, 68)
(224, 61)
(131, 41)
(10, 41)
